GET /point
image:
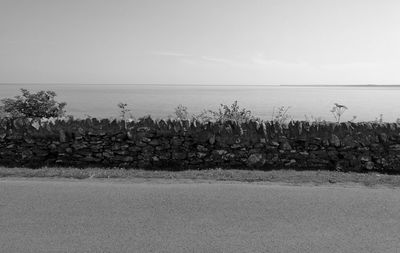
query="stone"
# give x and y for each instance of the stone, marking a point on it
(29, 140)
(108, 154)
(201, 155)
(291, 162)
(134, 148)
(165, 156)
(41, 152)
(285, 146)
(143, 129)
(127, 159)
(78, 146)
(154, 142)
(121, 152)
(395, 147)
(256, 160)
(365, 158)
(90, 159)
(26, 154)
(219, 152)
(369, 165)
(201, 148)
(334, 140)
(145, 140)
(141, 144)
(212, 140)
(377, 147)
(53, 146)
(383, 162)
(229, 156)
(383, 138)
(176, 141)
(178, 155)
(349, 142)
(259, 145)
(236, 146)
(274, 143)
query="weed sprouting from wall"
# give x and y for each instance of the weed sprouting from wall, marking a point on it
(337, 111)
(280, 114)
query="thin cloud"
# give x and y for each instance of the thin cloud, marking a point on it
(171, 54)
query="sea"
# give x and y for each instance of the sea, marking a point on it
(365, 103)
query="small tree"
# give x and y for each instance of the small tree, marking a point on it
(40, 104)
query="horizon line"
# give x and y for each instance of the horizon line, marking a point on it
(216, 84)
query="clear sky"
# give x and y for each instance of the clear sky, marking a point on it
(200, 41)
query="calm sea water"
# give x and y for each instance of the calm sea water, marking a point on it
(367, 103)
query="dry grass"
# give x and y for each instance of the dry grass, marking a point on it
(278, 176)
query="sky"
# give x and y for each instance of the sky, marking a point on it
(200, 41)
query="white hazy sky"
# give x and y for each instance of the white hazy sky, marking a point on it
(200, 41)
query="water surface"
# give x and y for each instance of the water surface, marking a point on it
(367, 103)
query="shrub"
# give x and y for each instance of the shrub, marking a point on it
(181, 112)
(205, 116)
(41, 104)
(226, 113)
(280, 115)
(314, 120)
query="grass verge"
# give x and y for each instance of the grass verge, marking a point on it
(277, 176)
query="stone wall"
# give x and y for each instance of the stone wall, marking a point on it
(182, 145)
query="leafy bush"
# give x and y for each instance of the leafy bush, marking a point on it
(280, 115)
(41, 104)
(181, 112)
(226, 113)
(314, 120)
(205, 116)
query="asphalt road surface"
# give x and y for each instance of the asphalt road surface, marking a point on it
(114, 216)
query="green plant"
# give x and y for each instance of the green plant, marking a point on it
(204, 116)
(227, 113)
(40, 104)
(338, 110)
(280, 115)
(181, 112)
(379, 120)
(124, 110)
(312, 119)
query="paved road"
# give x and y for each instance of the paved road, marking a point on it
(110, 216)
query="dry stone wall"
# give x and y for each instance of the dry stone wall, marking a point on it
(179, 145)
